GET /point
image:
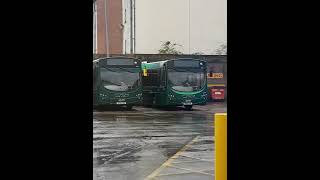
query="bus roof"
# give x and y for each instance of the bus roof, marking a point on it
(153, 65)
(115, 57)
(159, 64)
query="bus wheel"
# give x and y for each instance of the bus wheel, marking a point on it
(128, 107)
(188, 107)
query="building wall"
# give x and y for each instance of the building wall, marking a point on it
(109, 41)
(200, 26)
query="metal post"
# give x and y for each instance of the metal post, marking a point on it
(131, 28)
(189, 26)
(106, 19)
(134, 27)
(220, 121)
(95, 27)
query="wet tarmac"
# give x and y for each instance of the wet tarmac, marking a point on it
(132, 145)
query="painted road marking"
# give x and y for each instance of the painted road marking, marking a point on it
(171, 159)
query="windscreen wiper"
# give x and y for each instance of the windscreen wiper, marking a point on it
(109, 69)
(110, 83)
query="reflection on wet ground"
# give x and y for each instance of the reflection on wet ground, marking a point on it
(132, 144)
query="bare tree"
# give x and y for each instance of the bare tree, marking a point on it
(222, 49)
(169, 48)
(198, 53)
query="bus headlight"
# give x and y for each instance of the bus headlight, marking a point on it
(103, 95)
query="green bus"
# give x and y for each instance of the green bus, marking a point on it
(176, 82)
(117, 82)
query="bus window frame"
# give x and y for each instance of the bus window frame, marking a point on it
(162, 77)
(96, 77)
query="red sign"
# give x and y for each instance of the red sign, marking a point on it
(217, 93)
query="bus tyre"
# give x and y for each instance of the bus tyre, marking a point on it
(128, 107)
(188, 107)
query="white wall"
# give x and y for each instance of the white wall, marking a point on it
(168, 20)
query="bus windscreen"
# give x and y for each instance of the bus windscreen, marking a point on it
(186, 63)
(120, 62)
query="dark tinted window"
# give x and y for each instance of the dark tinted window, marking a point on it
(153, 78)
(216, 67)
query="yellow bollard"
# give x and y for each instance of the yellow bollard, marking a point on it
(220, 124)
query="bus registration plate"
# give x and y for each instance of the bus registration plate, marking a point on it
(121, 103)
(187, 102)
